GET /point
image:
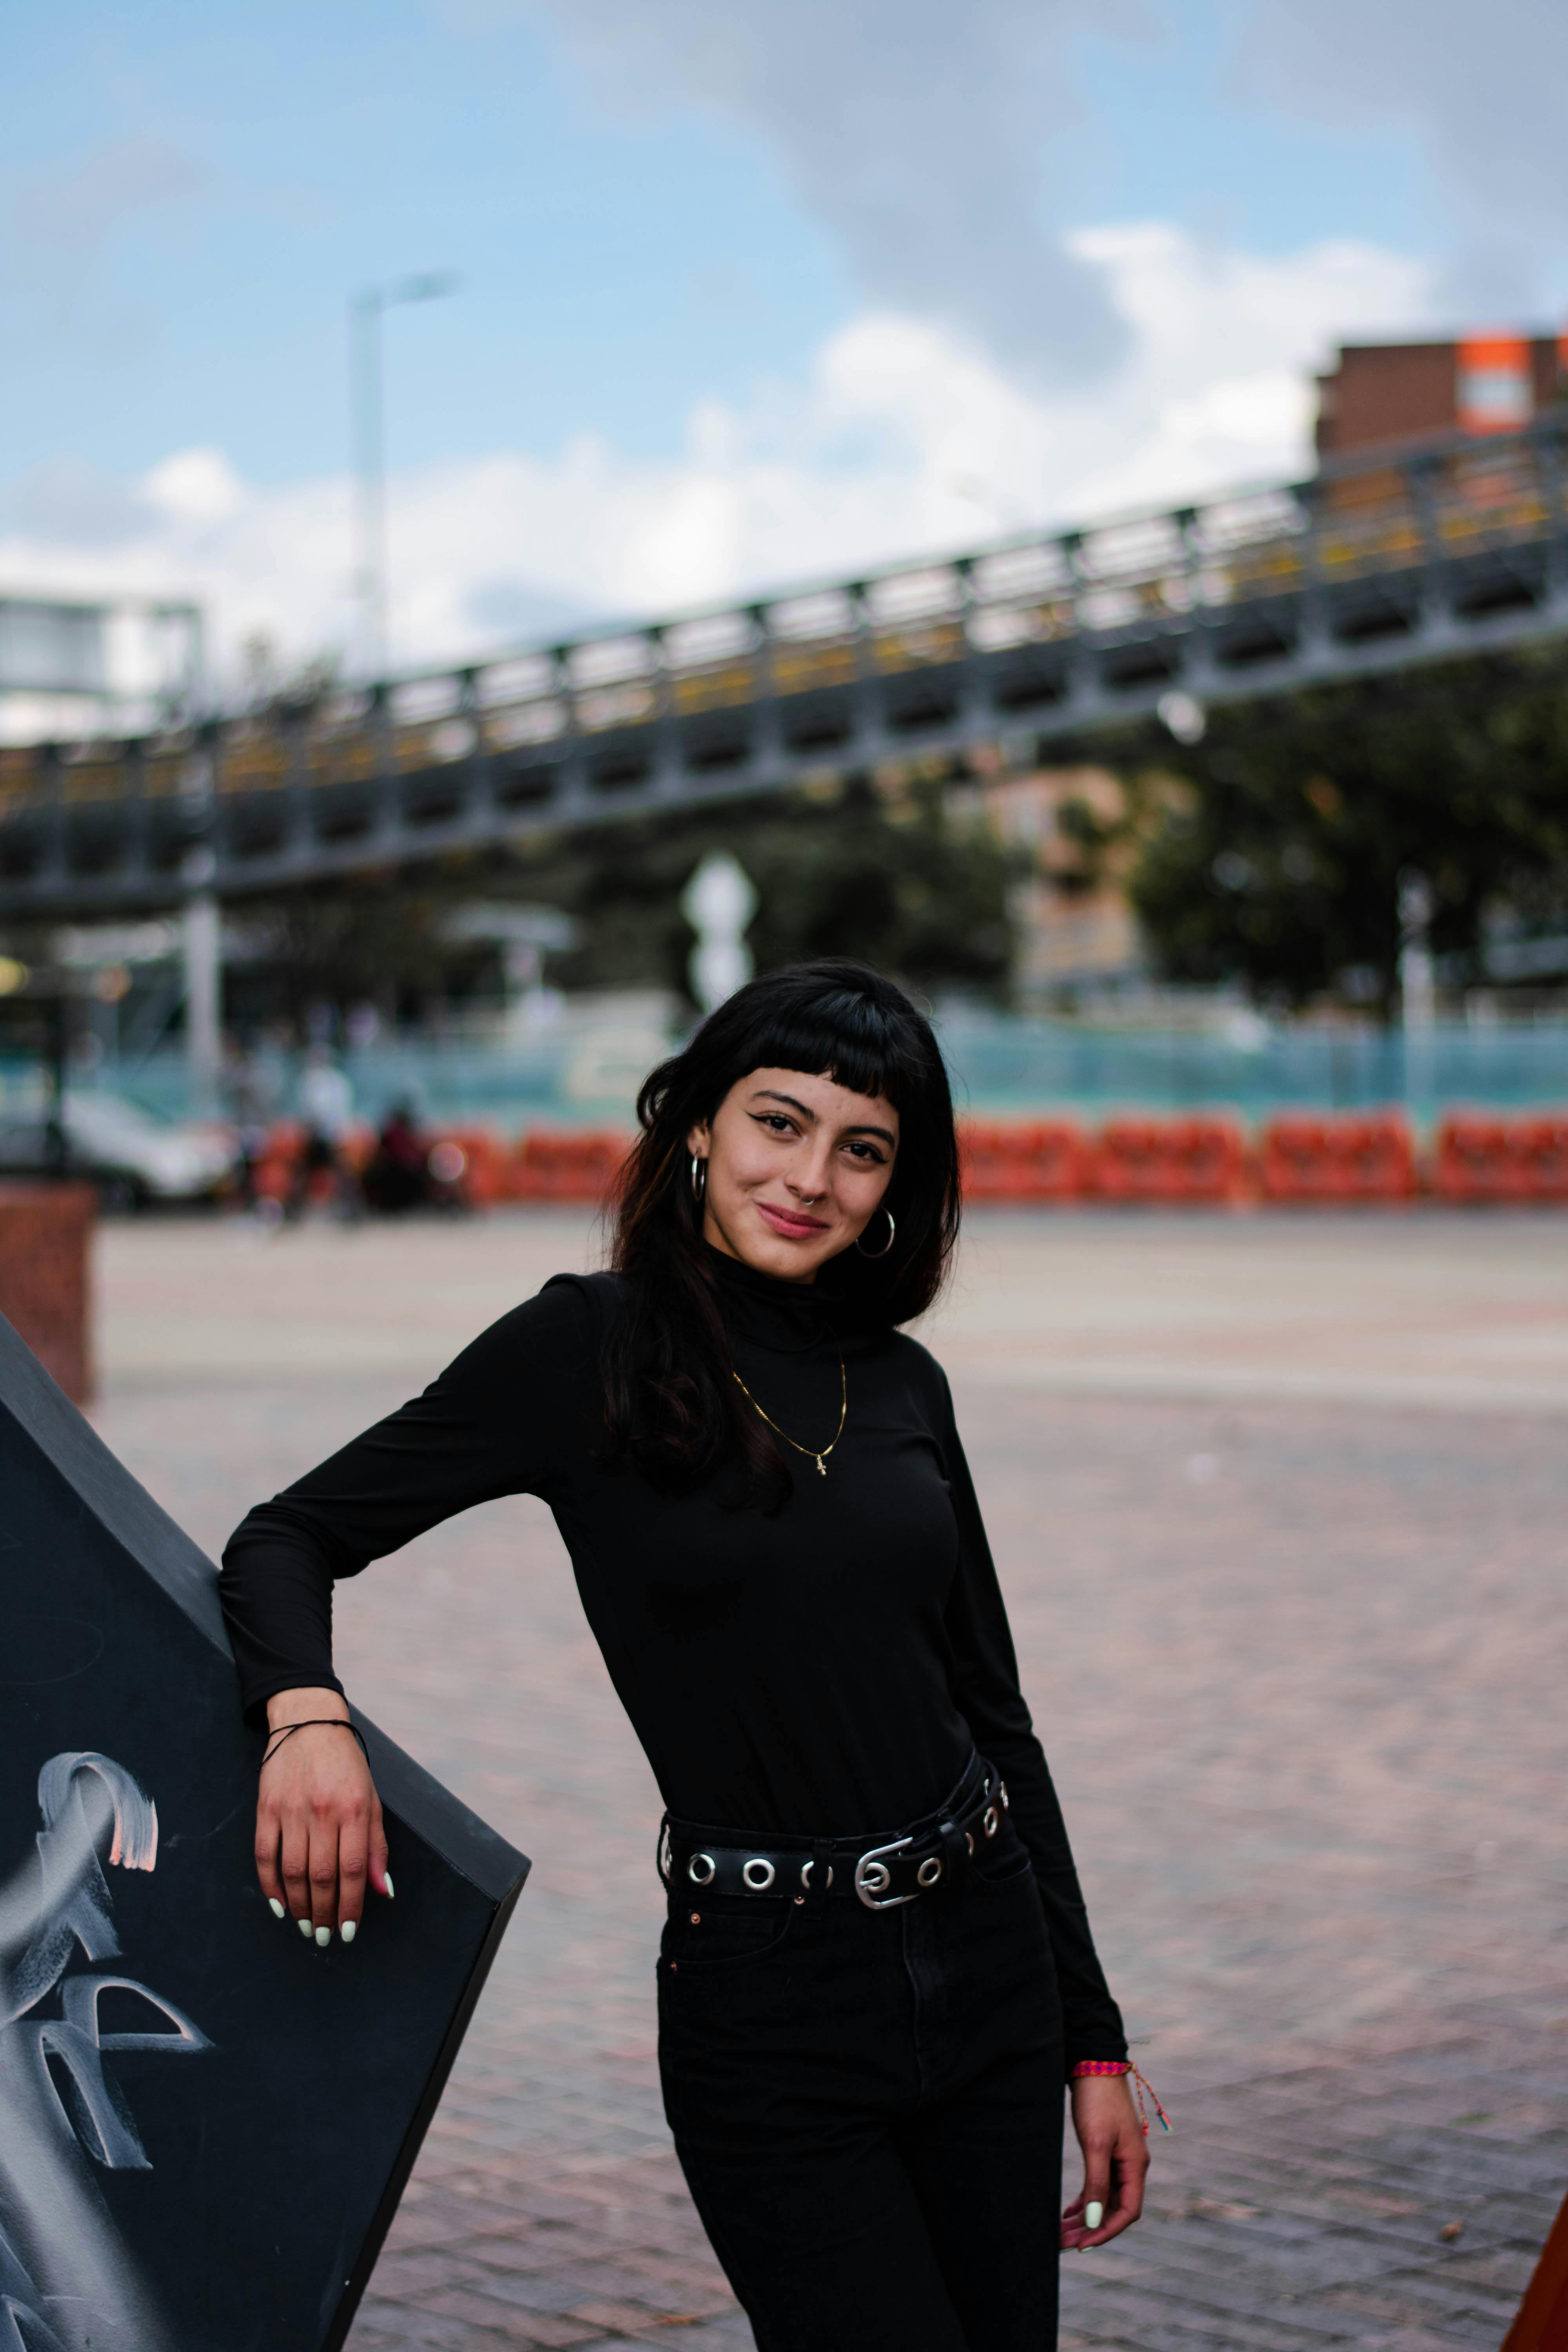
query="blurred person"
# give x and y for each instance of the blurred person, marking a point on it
(877, 1973)
(410, 1170)
(397, 1178)
(326, 1105)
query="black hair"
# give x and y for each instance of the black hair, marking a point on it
(671, 1404)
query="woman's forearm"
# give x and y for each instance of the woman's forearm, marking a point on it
(1091, 2018)
(276, 1595)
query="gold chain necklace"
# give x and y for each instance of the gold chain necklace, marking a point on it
(809, 1451)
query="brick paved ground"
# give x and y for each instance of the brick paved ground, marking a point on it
(1290, 1611)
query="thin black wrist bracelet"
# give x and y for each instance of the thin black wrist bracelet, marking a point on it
(311, 1723)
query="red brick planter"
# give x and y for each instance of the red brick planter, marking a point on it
(44, 1233)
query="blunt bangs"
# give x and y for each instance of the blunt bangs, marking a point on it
(843, 1038)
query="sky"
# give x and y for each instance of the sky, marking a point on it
(745, 293)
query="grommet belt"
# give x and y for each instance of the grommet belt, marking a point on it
(895, 1870)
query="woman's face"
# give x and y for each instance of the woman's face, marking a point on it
(795, 1166)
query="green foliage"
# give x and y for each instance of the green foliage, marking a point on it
(1280, 864)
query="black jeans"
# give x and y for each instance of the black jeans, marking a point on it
(867, 2108)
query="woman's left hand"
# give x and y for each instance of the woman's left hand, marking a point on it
(1115, 2159)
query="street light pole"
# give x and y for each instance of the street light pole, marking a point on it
(367, 403)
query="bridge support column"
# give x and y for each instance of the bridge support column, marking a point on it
(1195, 665)
(1315, 640)
(1085, 689)
(977, 703)
(1434, 618)
(388, 800)
(573, 798)
(297, 761)
(478, 767)
(767, 735)
(871, 745)
(668, 767)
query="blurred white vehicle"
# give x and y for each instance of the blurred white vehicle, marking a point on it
(132, 1157)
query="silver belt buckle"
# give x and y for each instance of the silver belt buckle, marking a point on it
(873, 1878)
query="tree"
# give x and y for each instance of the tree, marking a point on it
(1278, 861)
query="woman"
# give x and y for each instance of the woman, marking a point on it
(877, 1971)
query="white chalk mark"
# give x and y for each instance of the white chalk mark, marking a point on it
(68, 2282)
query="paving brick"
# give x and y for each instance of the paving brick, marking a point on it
(541, 2327)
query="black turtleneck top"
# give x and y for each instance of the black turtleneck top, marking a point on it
(822, 1669)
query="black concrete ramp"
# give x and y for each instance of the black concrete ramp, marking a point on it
(206, 2122)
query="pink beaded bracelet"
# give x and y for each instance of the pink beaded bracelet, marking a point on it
(1140, 2084)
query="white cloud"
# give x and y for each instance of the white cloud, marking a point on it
(57, 237)
(79, 208)
(1482, 90)
(901, 440)
(936, 143)
(931, 141)
(195, 488)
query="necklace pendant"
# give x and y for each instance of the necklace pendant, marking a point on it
(821, 1467)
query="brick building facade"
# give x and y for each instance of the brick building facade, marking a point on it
(1383, 392)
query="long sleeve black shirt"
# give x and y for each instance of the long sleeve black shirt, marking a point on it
(821, 1669)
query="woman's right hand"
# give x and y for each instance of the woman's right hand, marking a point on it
(319, 1832)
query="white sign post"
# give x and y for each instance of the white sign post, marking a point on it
(718, 902)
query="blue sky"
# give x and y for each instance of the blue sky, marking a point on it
(611, 271)
(789, 284)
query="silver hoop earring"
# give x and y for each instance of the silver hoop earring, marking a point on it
(698, 1178)
(887, 1245)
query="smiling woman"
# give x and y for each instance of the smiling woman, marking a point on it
(807, 1167)
(807, 1129)
(877, 1972)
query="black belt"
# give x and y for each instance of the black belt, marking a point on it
(925, 1858)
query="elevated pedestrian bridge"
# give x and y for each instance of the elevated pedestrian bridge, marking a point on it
(1410, 556)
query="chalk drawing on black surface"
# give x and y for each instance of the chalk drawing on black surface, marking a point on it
(67, 2281)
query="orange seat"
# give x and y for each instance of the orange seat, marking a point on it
(1034, 1159)
(1201, 1158)
(1485, 1157)
(1350, 1157)
(565, 1165)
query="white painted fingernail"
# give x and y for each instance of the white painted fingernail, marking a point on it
(304, 1928)
(323, 1936)
(1093, 2213)
(348, 1930)
(386, 1880)
(275, 1907)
